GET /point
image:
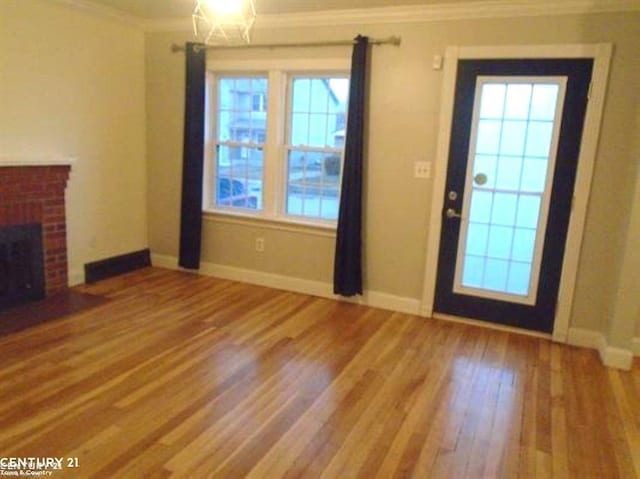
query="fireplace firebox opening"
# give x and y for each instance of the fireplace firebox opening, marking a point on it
(22, 276)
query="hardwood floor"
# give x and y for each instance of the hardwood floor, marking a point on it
(57, 306)
(188, 376)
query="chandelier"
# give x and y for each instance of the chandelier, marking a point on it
(223, 21)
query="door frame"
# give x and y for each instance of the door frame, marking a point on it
(601, 55)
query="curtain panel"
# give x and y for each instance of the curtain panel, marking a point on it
(192, 159)
(347, 275)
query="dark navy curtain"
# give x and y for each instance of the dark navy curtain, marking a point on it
(192, 160)
(347, 274)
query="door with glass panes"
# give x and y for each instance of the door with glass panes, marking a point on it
(515, 142)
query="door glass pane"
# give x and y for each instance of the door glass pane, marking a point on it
(500, 238)
(519, 278)
(534, 175)
(477, 239)
(492, 103)
(509, 173)
(514, 134)
(524, 242)
(495, 274)
(474, 271)
(539, 139)
(507, 189)
(489, 137)
(481, 206)
(518, 101)
(504, 209)
(528, 211)
(543, 103)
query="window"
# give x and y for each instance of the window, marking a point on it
(316, 125)
(239, 142)
(275, 143)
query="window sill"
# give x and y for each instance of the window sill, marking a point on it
(293, 226)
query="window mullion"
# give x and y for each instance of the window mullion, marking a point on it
(272, 148)
(209, 190)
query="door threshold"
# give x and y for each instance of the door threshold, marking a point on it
(494, 326)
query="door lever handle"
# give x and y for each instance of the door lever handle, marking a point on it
(451, 213)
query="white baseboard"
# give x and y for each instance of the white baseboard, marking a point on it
(586, 338)
(611, 356)
(635, 346)
(618, 358)
(375, 299)
(75, 277)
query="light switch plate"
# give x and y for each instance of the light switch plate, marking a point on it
(436, 63)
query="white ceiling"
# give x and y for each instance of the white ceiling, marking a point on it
(156, 9)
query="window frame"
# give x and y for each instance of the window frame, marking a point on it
(275, 148)
(289, 146)
(213, 144)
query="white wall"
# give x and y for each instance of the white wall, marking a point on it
(72, 84)
(625, 321)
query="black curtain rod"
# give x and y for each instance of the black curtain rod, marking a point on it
(393, 40)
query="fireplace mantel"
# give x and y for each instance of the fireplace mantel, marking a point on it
(17, 161)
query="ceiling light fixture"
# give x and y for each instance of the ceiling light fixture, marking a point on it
(227, 22)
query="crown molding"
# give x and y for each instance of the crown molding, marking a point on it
(380, 15)
(420, 13)
(168, 25)
(103, 11)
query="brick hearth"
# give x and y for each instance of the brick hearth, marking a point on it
(35, 194)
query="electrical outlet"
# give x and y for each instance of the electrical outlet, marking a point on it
(259, 245)
(422, 169)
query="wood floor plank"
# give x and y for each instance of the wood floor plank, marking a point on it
(559, 439)
(180, 375)
(625, 401)
(380, 348)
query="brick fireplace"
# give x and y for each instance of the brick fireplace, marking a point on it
(34, 194)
